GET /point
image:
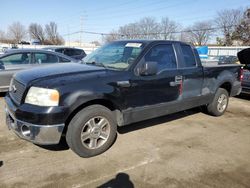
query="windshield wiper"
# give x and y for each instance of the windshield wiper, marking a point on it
(97, 64)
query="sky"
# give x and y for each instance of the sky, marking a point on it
(105, 15)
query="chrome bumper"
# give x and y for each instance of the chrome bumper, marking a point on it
(38, 134)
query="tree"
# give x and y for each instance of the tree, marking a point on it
(112, 36)
(242, 31)
(227, 21)
(52, 34)
(17, 32)
(199, 33)
(148, 28)
(36, 32)
(2, 36)
(168, 28)
(96, 43)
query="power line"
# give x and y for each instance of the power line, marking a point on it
(153, 33)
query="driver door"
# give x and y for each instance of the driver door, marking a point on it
(154, 95)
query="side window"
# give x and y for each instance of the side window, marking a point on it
(16, 59)
(60, 50)
(77, 52)
(189, 59)
(164, 55)
(42, 58)
(63, 60)
(68, 52)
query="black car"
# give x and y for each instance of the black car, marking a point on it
(72, 52)
(230, 59)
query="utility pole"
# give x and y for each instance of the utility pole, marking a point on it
(81, 29)
(68, 36)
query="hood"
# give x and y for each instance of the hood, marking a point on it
(53, 71)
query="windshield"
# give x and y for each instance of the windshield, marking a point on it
(117, 55)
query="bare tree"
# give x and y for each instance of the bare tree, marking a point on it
(112, 36)
(52, 34)
(242, 32)
(36, 32)
(2, 36)
(17, 32)
(149, 28)
(199, 33)
(96, 43)
(129, 31)
(146, 28)
(227, 21)
(168, 28)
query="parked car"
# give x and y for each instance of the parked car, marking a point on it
(72, 52)
(244, 57)
(120, 83)
(16, 60)
(227, 59)
(24, 42)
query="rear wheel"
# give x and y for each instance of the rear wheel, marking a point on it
(91, 131)
(219, 103)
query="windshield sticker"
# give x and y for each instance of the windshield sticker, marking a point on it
(134, 45)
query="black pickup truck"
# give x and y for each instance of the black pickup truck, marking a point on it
(118, 84)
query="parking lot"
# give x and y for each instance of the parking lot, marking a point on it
(187, 149)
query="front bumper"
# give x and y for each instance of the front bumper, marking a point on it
(43, 134)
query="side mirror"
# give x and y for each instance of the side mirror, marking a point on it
(1, 65)
(149, 68)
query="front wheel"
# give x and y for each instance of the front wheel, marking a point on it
(91, 131)
(219, 103)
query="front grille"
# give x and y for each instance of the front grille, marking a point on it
(17, 90)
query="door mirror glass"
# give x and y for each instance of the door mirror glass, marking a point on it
(149, 68)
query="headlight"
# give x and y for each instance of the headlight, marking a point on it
(42, 97)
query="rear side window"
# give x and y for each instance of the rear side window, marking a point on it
(77, 52)
(68, 52)
(189, 59)
(16, 59)
(42, 58)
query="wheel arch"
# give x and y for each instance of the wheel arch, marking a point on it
(227, 85)
(118, 117)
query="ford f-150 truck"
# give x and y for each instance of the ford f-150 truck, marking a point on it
(118, 84)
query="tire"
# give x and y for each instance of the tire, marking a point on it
(219, 103)
(91, 131)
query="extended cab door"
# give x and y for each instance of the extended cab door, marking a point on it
(154, 95)
(192, 75)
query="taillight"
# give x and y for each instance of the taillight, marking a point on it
(241, 74)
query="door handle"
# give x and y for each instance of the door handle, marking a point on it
(123, 83)
(173, 84)
(178, 81)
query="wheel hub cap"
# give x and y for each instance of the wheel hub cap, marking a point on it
(95, 132)
(222, 103)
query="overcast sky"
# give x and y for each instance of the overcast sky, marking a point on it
(105, 15)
